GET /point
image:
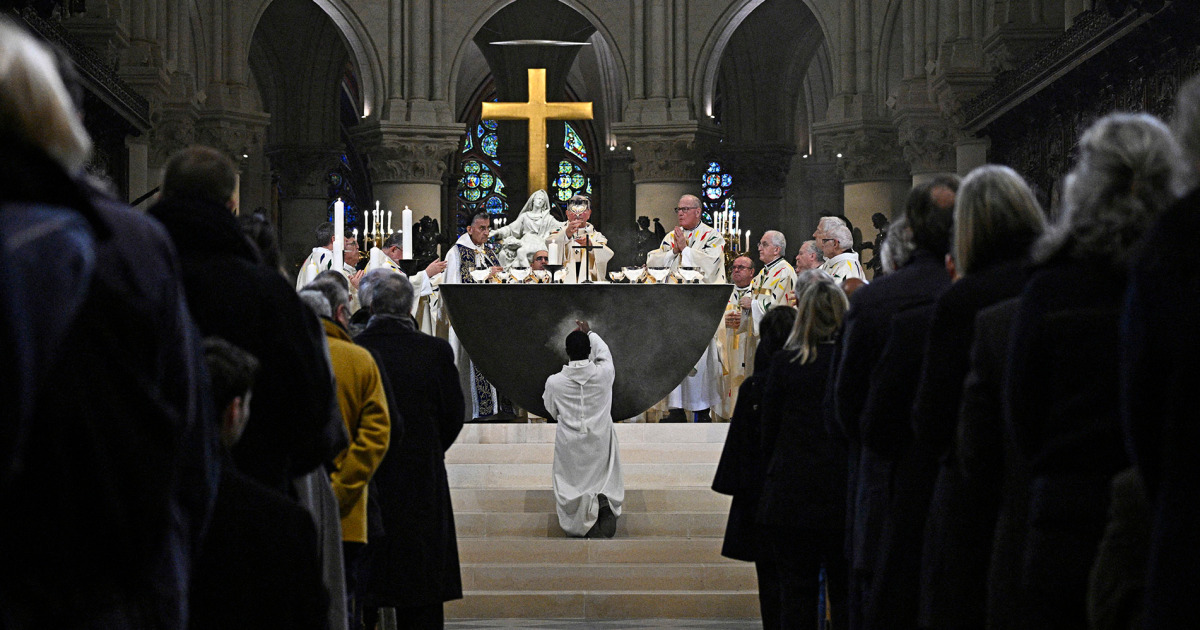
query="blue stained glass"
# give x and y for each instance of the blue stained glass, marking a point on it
(573, 143)
(712, 193)
(577, 180)
(472, 181)
(563, 181)
(726, 180)
(472, 194)
(490, 125)
(712, 180)
(469, 144)
(345, 160)
(564, 194)
(486, 179)
(589, 187)
(489, 144)
(471, 166)
(499, 186)
(479, 130)
(494, 205)
(564, 167)
(713, 167)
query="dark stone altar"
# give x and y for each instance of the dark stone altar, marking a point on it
(515, 334)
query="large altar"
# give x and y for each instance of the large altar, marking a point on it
(515, 333)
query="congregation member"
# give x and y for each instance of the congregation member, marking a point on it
(425, 283)
(739, 339)
(996, 220)
(108, 457)
(809, 257)
(364, 410)
(837, 246)
(927, 219)
(321, 258)
(694, 244)
(466, 256)
(1062, 378)
(259, 565)
(413, 567)
(774, 282)
(1159, 344)
(589, 489)
(803, 504)
(259, 230)
(573, 239)
(742, 465)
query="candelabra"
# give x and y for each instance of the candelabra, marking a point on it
(737, 241)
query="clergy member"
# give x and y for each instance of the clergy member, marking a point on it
(573, 239)
(427, 306)
(837, 244)
(467, 255)
(350, 257)
(321, 257)
(774, 283)
(694, 244)
(809, 257)
(588, 486)
(738, 342)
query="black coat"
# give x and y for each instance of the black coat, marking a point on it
(740, 473)
(231, 295)
(806, 467)
(416, 562)
(957, 542)
(1062, 383)
(865, 333)
(107, 454)
(259, 566)
(1160, 342)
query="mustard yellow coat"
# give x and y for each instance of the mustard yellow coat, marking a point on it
(363, 404)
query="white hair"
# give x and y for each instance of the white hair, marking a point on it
(316, 301)
(776, 238)
(34, 103)
(842, 233)
(385, 291)
(898, 246)
(813, 248)
(828, 223)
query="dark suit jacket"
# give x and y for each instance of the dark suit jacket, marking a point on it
(740, 472)
(416, 561)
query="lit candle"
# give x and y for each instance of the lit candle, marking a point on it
(406, 226)
(553, 254)
(339, 233)
(389, 229)
(737, 220)
(747, 241)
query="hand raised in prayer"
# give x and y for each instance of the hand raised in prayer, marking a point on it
(582, 325)
(356, 278)
(435, 267)
(745, 301)
(733, 319)
(680, 240)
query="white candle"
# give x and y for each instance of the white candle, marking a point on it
(747, 241)
(737, 221)
(406, 227)
(553, 254)
(339, 233)
(389, 221)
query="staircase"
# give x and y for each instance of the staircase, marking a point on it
(664, 562)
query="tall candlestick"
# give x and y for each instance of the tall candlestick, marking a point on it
(406, 225)
(339, 233)
(552, 250)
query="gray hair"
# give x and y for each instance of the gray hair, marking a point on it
(316, 301)
(35, 105)
(820, 308)
(898, 246)
(996, 218)
(842, 233)
(1122, 182)
(1186, 126)
(384, 291)
(777, 239)
(828, 223)
(334, 292)
(811, 247)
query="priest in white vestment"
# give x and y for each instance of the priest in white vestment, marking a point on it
(574, 238)
(321, 258)
(427, 305)
(588, 486)
(738, 340)
(350, 258)
(694, 244)
(774, 284)
(837, 244)
(468, 255)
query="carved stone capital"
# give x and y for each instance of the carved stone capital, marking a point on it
(303, 169)
(174, 129)
(868, 152)
(408, 154)
(235, 133)
(759, 171)
(666, 153)
(928, 142)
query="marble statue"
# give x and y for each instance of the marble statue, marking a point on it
(527, 234)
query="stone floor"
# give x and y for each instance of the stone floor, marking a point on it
(620, 624)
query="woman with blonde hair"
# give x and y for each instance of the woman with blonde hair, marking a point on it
(803, 504)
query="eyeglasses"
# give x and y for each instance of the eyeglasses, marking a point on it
(686, 209)
(829, 240)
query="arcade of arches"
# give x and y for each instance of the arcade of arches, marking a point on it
(813, 106)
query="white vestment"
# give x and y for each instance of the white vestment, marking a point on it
(573, 256)
(349, 271)
(319, 260)
(426, 305)
(463, 257)
(737, 350)
(586, 458)
(843, 266)
(705, 249)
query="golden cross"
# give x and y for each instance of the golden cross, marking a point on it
(537, 111)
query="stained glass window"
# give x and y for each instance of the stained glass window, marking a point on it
(340, 187)
(716, 186)
(571, 178)
(480, 187)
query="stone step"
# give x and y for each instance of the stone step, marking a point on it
(609, 577)
(675, 499)
(629, 525)
(543, 453)
(484, 433)
(605, 605)
(539, 475)
(509, 551)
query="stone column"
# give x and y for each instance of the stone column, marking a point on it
(303, 186)
(241, 135)
(927, 141)
(667, 163)
(875, 177)
(971, 153)
(759, 179)
(138, 176)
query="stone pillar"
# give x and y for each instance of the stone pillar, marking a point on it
(927, 141)
(667, 163)
(875, 177)
(138, 180)
(174, 130)
(302, 172)
(970, 154)
(241, 135)
(759, 179)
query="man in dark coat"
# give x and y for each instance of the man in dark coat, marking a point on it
(233, 296)
(928, 212)
(414, 567)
